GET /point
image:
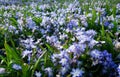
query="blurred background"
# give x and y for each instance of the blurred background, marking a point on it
(46, 1)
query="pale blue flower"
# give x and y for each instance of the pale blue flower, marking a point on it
(30, 23)
(2, 70)
(38, 74)
(63, 54)
(118, 69)
(77, 72)
(72, 24)
(54, 57)
(91, 32)
(28, 43)
(92, 43)
(26, 53)
(63, 61)
(52, 39)
(95, 53)
(11, 28)
(49, 71)
(77, 49)
(16, 67)
(63, 70)
(118, 6)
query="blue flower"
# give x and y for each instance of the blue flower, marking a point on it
(106, 23)
(63, 61)
(118, 6)
(95, 54)
(2, 70)
(11, 28)
(38, 74)
(91, 33)
(72, 24)
(77, 72)
(26, 53)
(63, 70)
(104, 58)
(118, 70)
(52, 39)
(63, 54)
(107, 61)
(16, 67)
(77, 49)
(92, 43)
(30, 23)
(54, 58)
(49, 71)
(28, 43)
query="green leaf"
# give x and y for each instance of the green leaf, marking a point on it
(49, 47)
(37, 62)
(3, 58)
(37, 20)
(114, 11)
(11, 53)
(93, 15)
(13, 21)
(25, 69)
(115, 27)
(102, 31)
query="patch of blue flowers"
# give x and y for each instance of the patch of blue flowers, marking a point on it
(67, 39)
